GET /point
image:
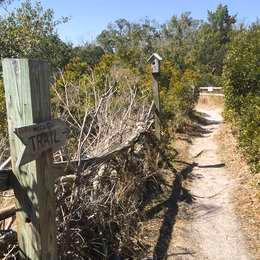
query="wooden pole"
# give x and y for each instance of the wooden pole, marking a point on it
(27, 100)
(156, 97)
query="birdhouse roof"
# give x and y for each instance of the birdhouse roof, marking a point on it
(154, 56)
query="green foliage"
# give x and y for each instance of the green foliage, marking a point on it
(69, 86)
(249, 135)
(179, 92)
(81, 86)
(194, 54)
(221, 21)
(241, 78)
(179, 88)
(29, 31)
(177, 40)
(212, 39)
(186, 42)
(102, 69)
(73, 72)
(89, 53)
(133, 43)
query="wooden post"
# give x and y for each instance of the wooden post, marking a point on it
(156, 98)
(27, 100)
(155, 60)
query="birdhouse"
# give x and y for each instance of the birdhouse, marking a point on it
(155, 60)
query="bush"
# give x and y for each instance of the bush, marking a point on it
(241, 77)
(249, 124)
(179, 92)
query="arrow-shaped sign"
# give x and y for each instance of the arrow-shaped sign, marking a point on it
(38, 138)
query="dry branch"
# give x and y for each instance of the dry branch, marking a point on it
(112, 167)
(106, 156)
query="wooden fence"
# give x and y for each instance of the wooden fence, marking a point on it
(211, 91)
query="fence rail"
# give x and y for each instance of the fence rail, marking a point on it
(211, 91)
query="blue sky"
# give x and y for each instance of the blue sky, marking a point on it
(90, 17)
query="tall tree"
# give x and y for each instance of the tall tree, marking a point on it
(89, 53)
(177, 39)
(132, 42)
(30, 31)
(212, 40)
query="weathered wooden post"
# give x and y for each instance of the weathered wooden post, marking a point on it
(155, 60)
(32, 140)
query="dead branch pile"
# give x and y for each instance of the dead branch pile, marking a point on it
(100, 119)
(100, 209)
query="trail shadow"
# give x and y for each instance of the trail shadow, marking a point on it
(199, 154)
(199, 126)
(186, 252)
(218, 165)
(198, 131)
(178, 194)
(203, 211)
(201, 118)
(189, 141)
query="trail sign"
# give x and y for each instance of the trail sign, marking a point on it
(38, 138)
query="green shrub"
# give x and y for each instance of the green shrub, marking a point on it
(179, 92)
(249, 125)
(241, 78)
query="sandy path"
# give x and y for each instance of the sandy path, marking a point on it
(213, 233)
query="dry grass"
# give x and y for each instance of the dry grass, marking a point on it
(106, 219)
(100, 211)
(247, 191)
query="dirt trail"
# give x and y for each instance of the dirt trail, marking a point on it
(213, 233)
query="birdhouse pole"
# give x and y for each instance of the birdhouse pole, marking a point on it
(155, 60)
